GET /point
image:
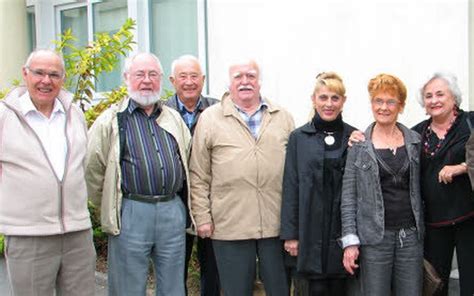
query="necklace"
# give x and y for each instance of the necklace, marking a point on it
(329, 139)
(431, 151)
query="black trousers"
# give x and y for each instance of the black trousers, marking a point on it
(236, 261)
(439, 247)
(327, 287)
(205, 253)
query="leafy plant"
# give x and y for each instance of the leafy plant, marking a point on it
(83, 65)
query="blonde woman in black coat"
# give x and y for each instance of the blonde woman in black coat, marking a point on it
(310, 217)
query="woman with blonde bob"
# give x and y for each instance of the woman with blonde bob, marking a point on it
(381, 206)
(312, 182)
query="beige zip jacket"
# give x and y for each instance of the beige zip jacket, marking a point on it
(236, 180)
(33, 201)
(103, 173)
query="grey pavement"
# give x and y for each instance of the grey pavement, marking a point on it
(101, 282)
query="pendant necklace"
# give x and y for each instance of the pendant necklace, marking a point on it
(329, 139)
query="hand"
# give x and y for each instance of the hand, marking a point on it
(356, 137)
(351, 254)
(205, 230)
(448, 172)
(291, 246)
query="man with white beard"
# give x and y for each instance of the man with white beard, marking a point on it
(136, 171)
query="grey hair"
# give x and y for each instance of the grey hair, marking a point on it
(243, 61)
(129, 61)
(453, 86)
(183, 58)
(37, 51)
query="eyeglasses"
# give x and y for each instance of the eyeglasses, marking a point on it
(152, 75)
(38, 73)
(380, 102)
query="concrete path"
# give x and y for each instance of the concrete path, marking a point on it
(101, 282)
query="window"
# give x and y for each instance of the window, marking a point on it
(107, 17)
(31, 28)
(173, 30)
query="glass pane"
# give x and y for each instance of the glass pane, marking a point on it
(31, 28)
(76, 20)
(109, 16)
(173, 30)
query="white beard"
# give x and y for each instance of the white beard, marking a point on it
(144, 100)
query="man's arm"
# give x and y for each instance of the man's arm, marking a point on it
(200, 175)
(96, 159)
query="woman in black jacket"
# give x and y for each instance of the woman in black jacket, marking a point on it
(310, 214)
(445, 187)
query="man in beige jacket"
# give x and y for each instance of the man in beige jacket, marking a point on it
(43, 196)
(236, 173)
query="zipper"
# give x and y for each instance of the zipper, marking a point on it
(60, 183)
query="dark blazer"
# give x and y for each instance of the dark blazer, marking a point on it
(205, 102)
(301, 213)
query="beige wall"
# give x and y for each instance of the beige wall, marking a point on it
(13, 42)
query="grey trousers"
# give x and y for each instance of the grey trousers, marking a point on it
(153, 232)
(39, 265)
(394, 266)
(236, 263)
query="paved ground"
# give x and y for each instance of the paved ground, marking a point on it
(101, 289)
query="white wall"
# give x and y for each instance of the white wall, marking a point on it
(295, 40)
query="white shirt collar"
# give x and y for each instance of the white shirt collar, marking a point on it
(27, 105)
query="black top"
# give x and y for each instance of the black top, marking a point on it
(446, 204)
(395, 183)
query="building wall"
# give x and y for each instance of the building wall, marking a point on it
(13, 45)
(294, 41)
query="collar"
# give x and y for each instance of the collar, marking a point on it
(133, 106)
(27, 106)
(263, 105)
(182, 108)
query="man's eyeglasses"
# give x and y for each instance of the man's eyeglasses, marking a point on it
(38, 73)
(152, 75)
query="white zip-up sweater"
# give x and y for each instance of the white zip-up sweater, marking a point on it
(33, 200)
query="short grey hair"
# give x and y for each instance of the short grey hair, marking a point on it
(37, 51)
(183, 58)
(129, 61)
(243, 61)
(453, 86)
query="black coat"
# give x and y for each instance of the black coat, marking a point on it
(301, 211)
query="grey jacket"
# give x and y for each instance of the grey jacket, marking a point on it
(362, 207)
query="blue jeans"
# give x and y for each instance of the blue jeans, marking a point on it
(153, 231)
(236, 263)
(394, 266)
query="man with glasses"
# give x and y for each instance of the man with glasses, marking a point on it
(188, 80)
(137, 172)
(43, 195)
(236, 170)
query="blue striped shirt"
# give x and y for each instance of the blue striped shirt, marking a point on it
(150, 161)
